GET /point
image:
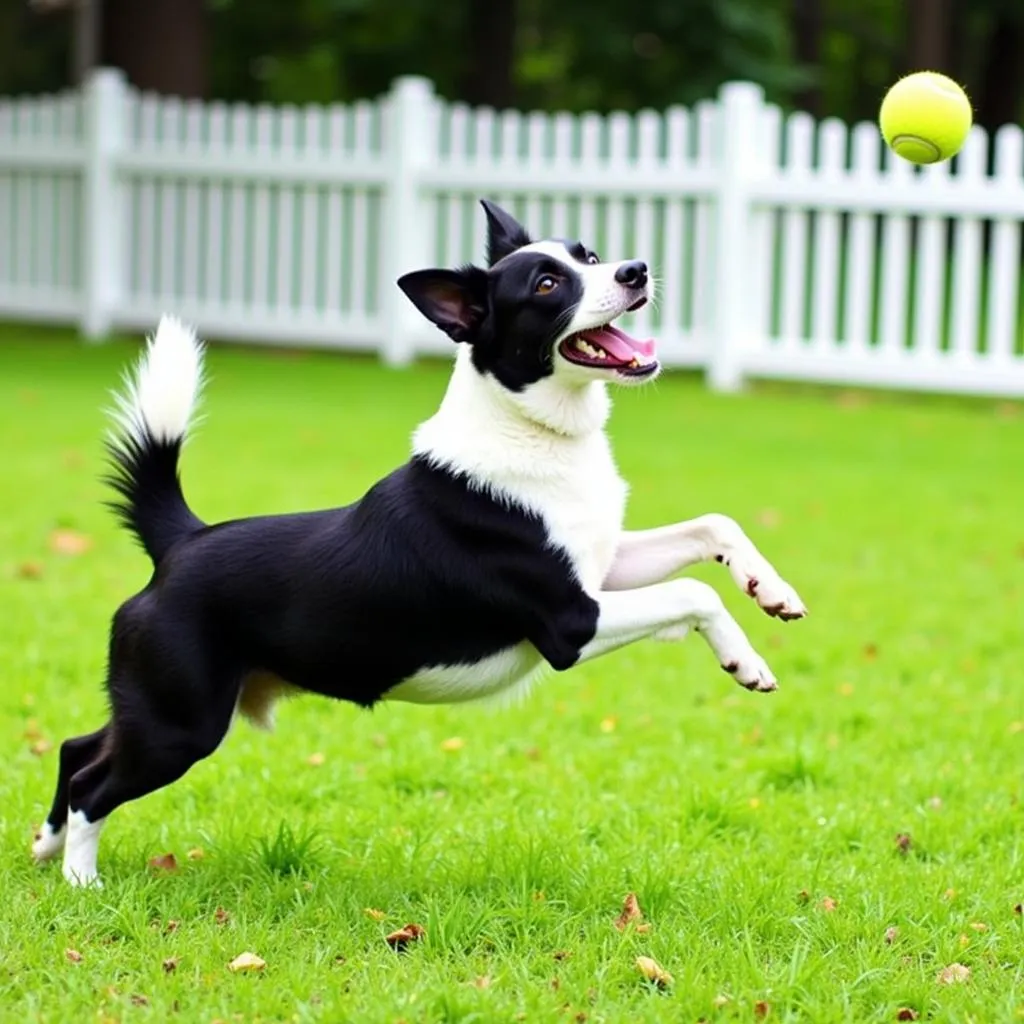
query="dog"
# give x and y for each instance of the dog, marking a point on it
(496, 551)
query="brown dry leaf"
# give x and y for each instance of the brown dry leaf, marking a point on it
(69, 542)
(453, 743)
(906, 1013)
(247, 962)
(871, 651)
(172, 926)
(40, 747)
(954, 974)
(892, 933)
(139, 1000)
(170, 964)
(1018, 908)
(903, 843)
(400, 939)
(482, 982)
(165, 862)
(196, 853)
(828, 904)
(762, 1008)
(377, 915)
(630, 912)
(803, 896)
(562, 954)
(653, 971)
(73, 955)
(221, 916)
(642, 929)
(316, 759)
(608, 724)
(29, 571)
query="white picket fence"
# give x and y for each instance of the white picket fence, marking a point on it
(783, 248)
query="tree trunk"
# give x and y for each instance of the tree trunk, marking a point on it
(807, 27)
(928, 23)
(998, 101)
(490, 45)
(161, 45)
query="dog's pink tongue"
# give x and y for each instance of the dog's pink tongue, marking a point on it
(619, 344)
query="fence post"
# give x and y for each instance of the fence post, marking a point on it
(102, 263)
(737, 156)
(410, 146)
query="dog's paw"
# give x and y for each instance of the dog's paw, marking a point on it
(752, 673)
(46, 843)
(774, 596)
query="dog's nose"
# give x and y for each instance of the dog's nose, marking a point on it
(632, 274)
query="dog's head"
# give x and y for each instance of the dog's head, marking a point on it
(541, 309)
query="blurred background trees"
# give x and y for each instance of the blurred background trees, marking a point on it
(831, 57)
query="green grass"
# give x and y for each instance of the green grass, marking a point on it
(733, 816)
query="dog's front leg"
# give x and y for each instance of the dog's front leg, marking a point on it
(647, 556)
(668, 611)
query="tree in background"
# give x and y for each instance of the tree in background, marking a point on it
(831, 57)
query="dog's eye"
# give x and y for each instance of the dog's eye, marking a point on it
(593, 258)
(546, 284)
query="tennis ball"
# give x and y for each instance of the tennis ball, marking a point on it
(925, 117)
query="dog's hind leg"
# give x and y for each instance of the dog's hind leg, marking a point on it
(75, 754)
(144, 754)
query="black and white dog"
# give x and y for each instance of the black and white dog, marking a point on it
(498, 549)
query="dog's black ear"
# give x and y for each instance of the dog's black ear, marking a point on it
(504, 233)
(454, 300)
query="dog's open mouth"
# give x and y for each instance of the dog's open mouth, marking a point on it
(610, 348)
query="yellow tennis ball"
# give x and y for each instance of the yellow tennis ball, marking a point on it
(925, 117)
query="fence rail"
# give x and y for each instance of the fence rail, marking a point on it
(783, 247)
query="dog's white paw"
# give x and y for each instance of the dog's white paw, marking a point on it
(82, 879)
(752, 673)
(757, 578)
(46, 843)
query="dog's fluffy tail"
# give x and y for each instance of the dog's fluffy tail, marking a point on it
(154, 410)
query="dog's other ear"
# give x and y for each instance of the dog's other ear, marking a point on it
(504, 233)
(454, 300)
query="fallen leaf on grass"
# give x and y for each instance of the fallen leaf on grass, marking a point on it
(906, 1013)
(73, 955)
(172, 926)
(871, 651)
(1019, 908)
(949, 894)
(170, 964)
(562, 954)
(196, 853)
(247, 962)
(482, 982)
(653, 971)
(453, 744)
(892, 933)
(828, 904)
(762, 1008)
(954, 974)
(630, 912)
(139, 1000)
(221, 916)
(400, 939)
(165, 862)
(719, 1001)
(377, 915)
(903, 843)
(40, 747)
(29, 571)
(69, 542)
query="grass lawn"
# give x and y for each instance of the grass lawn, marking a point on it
(758, 832)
